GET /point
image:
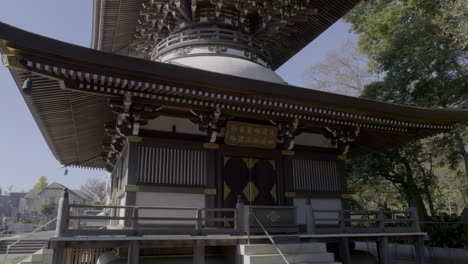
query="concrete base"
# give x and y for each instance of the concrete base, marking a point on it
(43, 256)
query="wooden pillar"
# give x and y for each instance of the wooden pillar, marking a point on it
(133, 252)
(135, 225)
(383, 250)
(63, 215)
(309, 217)
(131, 187)
(413, 210)
(419, 249)
(288, 180)
(240, 223)
(211, 190)
(345, 255)
(58, 256)
(281, 181)
(199, 252)
(61, 228)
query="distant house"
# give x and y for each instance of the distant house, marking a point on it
(13, 207)
(51, 194)
(3, 205)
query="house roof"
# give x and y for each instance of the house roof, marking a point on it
(34, 193)
(73, 86)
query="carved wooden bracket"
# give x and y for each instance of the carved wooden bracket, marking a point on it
(130, 116)
(342, 138)
(210, 122)
(287, 132)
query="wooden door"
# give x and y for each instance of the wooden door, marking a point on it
(253, 179)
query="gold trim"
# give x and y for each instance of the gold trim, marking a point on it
(226, 159)
(131, 188)
(346, 196)
(290, 194)
(134, 139)
(210, 145)
(210, 191)
(226, 191)
(273, 192)
(273, 164)
(287, 152)
(13, 62)
(251, 191)
(342, 157)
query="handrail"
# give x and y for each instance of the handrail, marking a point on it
(21, 238)
(134, 217)
(381, 218)
(4, 233)
(269, 237)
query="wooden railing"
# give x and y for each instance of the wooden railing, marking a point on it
(70, 217)
(354, 221)
(136, 221)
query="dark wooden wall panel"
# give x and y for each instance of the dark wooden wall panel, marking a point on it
(317, 176)
(171, 167)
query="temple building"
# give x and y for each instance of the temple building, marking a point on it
(178, 100)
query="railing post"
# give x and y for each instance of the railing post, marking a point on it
(310, 217)
(381, 221)
(382, 245)
(420, 250)
(63, 214)
(344, 250)
(239, 224)
(199, 252)
(135, 221)
(341, 219)
(199, 225)
(414, 218)
(133, 252)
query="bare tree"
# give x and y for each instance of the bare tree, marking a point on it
(95, 188)
(343, 71)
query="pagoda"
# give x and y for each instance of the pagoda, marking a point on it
(178, 100)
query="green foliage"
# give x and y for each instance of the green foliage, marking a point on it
(408, 42)
(419, 46)
(408, 169)
(41, 184)
(47, 208)
(446, 231)
(25, 221)
(98, 202)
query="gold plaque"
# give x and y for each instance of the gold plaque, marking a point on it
(251, 135)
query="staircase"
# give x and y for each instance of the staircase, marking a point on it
(22, 247)
(294, 253)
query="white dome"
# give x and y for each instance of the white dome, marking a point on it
(230, 65)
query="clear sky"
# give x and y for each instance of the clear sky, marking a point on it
(24, 154)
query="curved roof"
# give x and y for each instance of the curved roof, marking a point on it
(115, 23)
(231, 66)
(71, 117)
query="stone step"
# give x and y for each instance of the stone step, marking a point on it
(294, 258)
(21, 250)
(263, 249)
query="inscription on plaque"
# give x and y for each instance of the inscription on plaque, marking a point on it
(251, 135)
